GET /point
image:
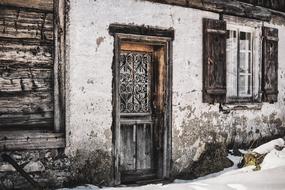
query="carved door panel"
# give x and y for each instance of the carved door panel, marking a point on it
(137, 112)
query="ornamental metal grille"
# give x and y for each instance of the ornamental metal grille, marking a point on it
(135, 82)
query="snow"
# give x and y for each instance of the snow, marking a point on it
(267, 147)
(234, 159)
(274, 159)
(270, 177)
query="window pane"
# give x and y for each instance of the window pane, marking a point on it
(244, 85)
(239, 64)
(245, 81)
(245, 41)
(245, 62)
(232, 63)
(249, 58)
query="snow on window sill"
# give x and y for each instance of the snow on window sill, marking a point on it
(228, 107)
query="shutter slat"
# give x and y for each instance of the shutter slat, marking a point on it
(270, 64)
(214, 60)
(216, 31)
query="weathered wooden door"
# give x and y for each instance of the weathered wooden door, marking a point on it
(136, 112)
(140, 96)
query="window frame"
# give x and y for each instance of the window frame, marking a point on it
(246, 25)
(41, 139)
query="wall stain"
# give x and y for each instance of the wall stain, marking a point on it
(90, 81)
(91, 168)
(231, 130)
(99, 40)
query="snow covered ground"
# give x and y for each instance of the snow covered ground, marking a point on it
(270, 177)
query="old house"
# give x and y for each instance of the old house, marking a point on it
(128, 91)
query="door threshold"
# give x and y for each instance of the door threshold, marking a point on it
(145, 182)
(149, 181)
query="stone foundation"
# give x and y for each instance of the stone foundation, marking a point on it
(51, 168)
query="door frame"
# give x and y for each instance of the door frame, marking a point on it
(155, 37)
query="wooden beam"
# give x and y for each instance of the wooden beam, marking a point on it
(272, 4)
(141, 30)
(10, 160)
(45, 5)
(24, 140)
(59, 65)
(230, 7)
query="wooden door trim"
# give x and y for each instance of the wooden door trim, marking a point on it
(166, 43)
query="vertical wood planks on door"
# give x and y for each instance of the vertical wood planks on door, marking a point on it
(145, 146)
(128, 149)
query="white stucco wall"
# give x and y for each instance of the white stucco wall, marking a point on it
(90, 73)
(89, 106)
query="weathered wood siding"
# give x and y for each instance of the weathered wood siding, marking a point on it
(257, 9)
(26, 67)
(44, 5)
(272, 4)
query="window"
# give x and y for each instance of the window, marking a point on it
(240, 63)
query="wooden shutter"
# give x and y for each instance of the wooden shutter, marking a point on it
(270, 64)
(214, 60)
(26, 68)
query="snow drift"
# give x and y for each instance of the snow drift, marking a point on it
(271, 176)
